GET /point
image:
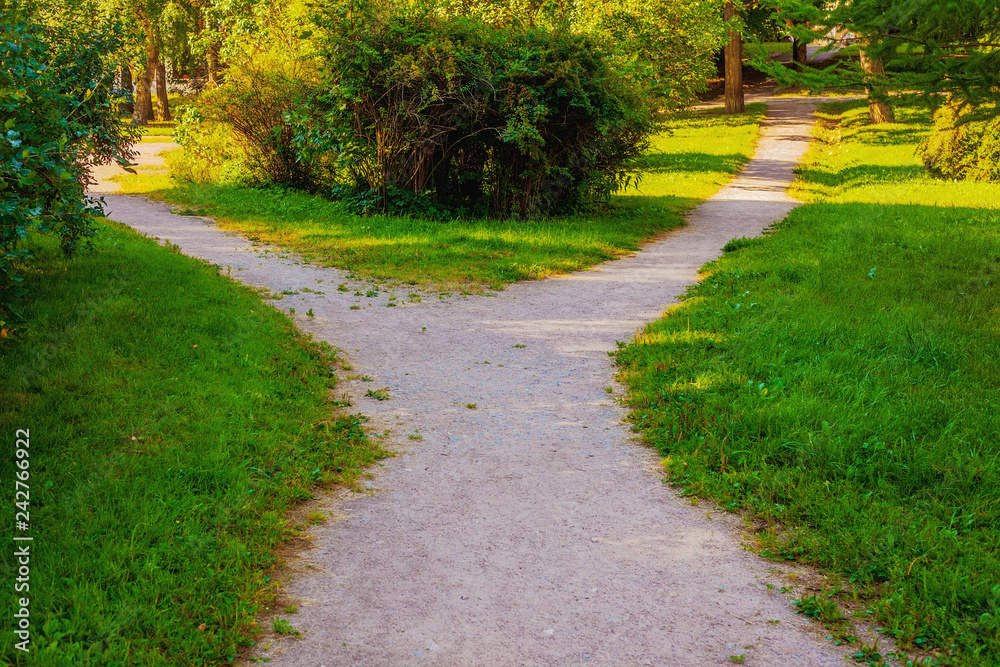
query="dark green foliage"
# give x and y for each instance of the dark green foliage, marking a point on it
(927, 46)
(477, 119)
(960, 148)
(59, 111)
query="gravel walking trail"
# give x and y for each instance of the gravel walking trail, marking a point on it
(530, 530)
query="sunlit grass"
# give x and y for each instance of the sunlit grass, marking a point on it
(839, 380)
(858, 162)
(703, 151)
(766, 49)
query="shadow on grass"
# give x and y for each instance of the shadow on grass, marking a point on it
(860, 175)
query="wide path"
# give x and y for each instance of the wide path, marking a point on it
(530, 529)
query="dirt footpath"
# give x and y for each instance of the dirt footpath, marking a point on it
(528, 529)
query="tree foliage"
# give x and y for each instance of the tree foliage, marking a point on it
(962, 148)
(59, 113)
(926, 46)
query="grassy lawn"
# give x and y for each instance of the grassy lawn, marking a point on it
(701, 152)
(174, 419)
(839, 381)
(157, 132)
(766, 49)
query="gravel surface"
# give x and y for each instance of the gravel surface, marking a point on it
(529, 529)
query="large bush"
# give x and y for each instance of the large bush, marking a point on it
(961, 147)
(475, 118)
(60, 114)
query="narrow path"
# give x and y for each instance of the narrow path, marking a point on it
(531, 529)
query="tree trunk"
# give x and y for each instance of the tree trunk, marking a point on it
(879, 110)
(125, 83)
(800, 54)
(734, 66)
(212, 56)
(162, 102)
(143, 99)
(142, 110)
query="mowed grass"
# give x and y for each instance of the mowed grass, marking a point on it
(839, 381)
(700, 152)
(174, 419)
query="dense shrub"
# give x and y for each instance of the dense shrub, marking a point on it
(255, 105)
(211, 153)
(961, 147)
(475, 118)
(60, 115)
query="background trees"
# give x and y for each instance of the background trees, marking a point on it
(923, 46)
(463, 105)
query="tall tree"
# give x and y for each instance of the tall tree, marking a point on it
(734, 62)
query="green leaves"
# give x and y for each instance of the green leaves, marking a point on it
(59, 114)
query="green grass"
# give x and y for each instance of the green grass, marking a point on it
(839, 380)
(766, 49)
(704, 150)
(157, 131)
(174, 419)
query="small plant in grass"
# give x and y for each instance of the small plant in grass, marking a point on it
(738, 658)
(310, 314)
(291, 610)
(519, 346)
(415, 436)
(818, 608)
(471, 406)
(869, 654)
(366, 378)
